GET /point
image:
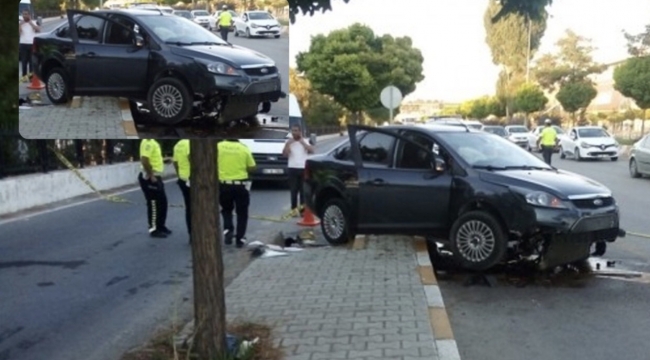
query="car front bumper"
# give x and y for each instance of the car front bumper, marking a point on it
(264, 31)
(249, 88)
(598, 152)
(268, 172)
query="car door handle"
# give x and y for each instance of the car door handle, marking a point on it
(377, 182)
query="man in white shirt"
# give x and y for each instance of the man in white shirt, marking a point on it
(28, 30)
(297, 149)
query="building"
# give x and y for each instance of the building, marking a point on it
(608, 99)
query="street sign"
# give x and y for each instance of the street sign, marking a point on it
(391, 98)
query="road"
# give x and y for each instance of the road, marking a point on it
(590, 319)
(102, 117)
(86, 282)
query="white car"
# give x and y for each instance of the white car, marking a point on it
(201, 17)
(518, 134)
(589, 142)
(257, 23)
(533, 136)
(215, 17)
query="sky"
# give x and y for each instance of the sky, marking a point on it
(457, 62)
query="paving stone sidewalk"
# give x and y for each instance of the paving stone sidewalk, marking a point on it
(340, 303)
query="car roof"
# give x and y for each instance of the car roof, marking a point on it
(589, 127)
(144, 11)
(494, 126)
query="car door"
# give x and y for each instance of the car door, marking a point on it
(389, 198)
(643, 156)
(86, 32)
(569, 142)
(240, 23)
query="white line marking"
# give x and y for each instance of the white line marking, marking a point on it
(433, 295)
(447, 350)
(424, 259)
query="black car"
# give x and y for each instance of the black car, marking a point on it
(485, 197)
(175, 67)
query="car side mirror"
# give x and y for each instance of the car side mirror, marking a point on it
(438, 164)
(313, 139)
(139, 40)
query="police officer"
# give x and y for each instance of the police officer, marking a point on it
(225, 21)
(235, 162)
(150, 179)
(547, 141)
(182, 166)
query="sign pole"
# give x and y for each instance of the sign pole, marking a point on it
(390, 109)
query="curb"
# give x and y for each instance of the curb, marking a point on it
(438, 317)
(127, 120)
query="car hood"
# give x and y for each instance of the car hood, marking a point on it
(562, 184)
(270, 22)
(598, 141)
(234, 55)
(518, 136)
(202, 17)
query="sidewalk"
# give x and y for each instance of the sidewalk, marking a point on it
(341, 303)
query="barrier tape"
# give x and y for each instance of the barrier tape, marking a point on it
(121, 200)
(644, 236)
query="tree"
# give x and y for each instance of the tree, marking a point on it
(575, 96)
(317, 109)
(638, 44)
(513, 41)
(353, 65)
(209, 297)
(529, 99)
(572, 64)
(481, 108)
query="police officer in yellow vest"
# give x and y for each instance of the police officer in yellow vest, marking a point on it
(182, 166)
(547, 141)
(150, 179)
(235, 162)
(225, 22)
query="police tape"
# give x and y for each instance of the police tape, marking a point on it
(643, 236)
(120, 200)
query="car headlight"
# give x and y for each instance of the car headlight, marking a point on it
(220, 68)
(541, 199)
(254, 26)
(585, 145)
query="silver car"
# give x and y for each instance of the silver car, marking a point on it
(640, 158)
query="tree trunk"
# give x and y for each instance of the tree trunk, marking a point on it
(209, 297)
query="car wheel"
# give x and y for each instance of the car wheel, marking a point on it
(614, 158)
(56, 86)
(334, 222)
(562, 154)
(478, 240)
(634, 170)
(276, 36)
(236, 32)
(576, 154)
(248, 33)
(169, 101)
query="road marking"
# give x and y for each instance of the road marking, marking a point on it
(438, 316)
(127, 119)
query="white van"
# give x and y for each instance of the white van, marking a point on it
(271, 165)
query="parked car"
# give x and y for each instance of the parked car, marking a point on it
(174, 67)
(183, 13)
(640, 158)
(518, 134)
(257, 23)
(215, 17)
(485, 198)
(201, 17)
(496, 130)
(533, 136)
(589, 142)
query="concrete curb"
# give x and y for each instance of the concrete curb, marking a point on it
(128, 124)
(440, 324)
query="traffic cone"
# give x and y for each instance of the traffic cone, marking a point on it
(308, 218)
(36, 83)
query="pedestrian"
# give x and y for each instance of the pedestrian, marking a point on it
(547, 141)
(150, 179)
(182, 166)
(225, 22)
(297, 150)
(28, 29)
(235, 162)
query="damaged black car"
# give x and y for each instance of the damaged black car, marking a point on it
(484, 198)
(169, 66)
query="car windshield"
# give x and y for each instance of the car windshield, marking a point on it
(176, 30)
(201, 13)
(497, 130)
(485, 151)
(517, 130)
(259, 16)
(185, 14)
(592, 133)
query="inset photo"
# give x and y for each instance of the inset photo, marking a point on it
(147, 71)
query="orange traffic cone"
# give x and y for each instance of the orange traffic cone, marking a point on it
(36, 83)
(308, 218)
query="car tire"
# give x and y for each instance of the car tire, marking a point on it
(634, 170)
(614, 158)
(236, 33)
(576, 154)
(334, 222)
(57, 86)
(489, 231)
(248, 33)
(169, 88)
(562, 154)
(276, 36)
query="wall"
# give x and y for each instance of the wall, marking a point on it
(24, 192)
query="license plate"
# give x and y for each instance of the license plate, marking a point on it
(272, 171)
(597, 223)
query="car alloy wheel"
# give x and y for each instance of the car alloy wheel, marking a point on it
(334, 222)
(476, 241)
(577, 154)
(56, 86)
(167, 101)
(634, 171)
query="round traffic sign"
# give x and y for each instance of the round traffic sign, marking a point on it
(390, 97)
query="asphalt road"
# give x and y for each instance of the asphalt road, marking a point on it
(86, 282)
(587, 318)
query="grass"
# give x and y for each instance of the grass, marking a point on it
(626, 141)
(162, 346)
